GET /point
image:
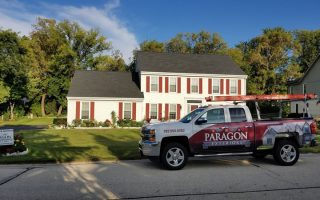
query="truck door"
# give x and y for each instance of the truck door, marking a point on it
(222, 130)
(204, 126)
(241, 129)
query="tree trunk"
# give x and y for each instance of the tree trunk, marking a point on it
(11, 110)
(43, 101)
(59, 110)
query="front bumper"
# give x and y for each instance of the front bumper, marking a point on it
(149, 148)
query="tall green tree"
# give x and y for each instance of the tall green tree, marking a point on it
(308, 46)
(59, 49)
(152, 46)
(268, 56)
(198, 43)
(12, 68)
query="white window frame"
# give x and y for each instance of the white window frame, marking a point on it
(235, 86)
(218, 81)
(175, 107)
(82, 109)
(156, 105)
(170, 81)
(157, 83)
(194, 80)
(123, 110)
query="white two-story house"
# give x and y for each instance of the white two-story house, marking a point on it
(165, 86)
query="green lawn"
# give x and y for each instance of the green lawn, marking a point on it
(29, 122)
(78, 145)
(69, 145)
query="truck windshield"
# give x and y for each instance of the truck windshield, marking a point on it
(191, 115)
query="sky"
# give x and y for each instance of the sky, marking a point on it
(127, 23)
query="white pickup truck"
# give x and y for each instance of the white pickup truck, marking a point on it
(225, 130)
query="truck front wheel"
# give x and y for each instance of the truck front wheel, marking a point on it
(174, 156)
(286, 153)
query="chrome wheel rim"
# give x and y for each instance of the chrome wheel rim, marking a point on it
(175, 157)
(288, 153)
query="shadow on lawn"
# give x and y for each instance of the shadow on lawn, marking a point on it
(48, 148)
(124, 149)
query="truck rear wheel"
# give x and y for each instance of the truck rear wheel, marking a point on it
(286, 153)
(174, 156)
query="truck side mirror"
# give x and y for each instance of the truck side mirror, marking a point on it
(201, 121)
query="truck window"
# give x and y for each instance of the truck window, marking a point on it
(214, 116)
(237, 115)
(191, 115)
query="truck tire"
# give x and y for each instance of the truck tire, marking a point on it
(174, 156)
(286, 153)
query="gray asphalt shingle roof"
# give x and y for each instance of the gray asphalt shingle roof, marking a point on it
(187, 63)
(103, 84)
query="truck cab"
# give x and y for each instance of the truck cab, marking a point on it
(224, 130)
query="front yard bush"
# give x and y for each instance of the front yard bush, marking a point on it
(129, 123)
(60, 122)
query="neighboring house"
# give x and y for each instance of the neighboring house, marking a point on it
(166, 86)
(309, 83)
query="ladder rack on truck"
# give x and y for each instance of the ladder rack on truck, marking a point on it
(266, 97)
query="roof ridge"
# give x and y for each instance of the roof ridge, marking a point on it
(180, 53)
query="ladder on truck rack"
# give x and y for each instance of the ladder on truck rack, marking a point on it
(266, 97)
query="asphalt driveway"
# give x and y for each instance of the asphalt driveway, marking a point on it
(214, 178)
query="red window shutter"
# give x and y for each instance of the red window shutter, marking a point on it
(178, 111)
(227, 86)
(160, 84)
(134, 110)
(92, 110)
(188, 85)
(160, 111)
(221, 86)
(120, 110)
(77, 109)
(239, 87)
(200, 85)
(179, 85)
(166, 84)
(148, 83)
(147, 111)
(209, 86)
(166, 111)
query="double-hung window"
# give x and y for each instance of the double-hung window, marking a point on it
(153, 111)
(127, 111)
(173, 84)
(194, 85)
(233, 86)
(173, 111)
(85, 110)
(215, 86)
(154, 84)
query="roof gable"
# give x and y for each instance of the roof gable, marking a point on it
(187, 63)
(103, 84)
(299, 80)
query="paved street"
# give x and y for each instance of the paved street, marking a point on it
(214, 178)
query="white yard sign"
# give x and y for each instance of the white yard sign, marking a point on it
(6, 137)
